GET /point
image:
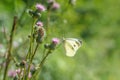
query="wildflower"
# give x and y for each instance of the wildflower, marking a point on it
(50, 1)
(55, 41)
(40, 7)
(55, 6)
(39, 23)
(12, 73)
(40, 35)
(40, 32)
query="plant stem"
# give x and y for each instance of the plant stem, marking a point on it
(40, 65)
(10, 47)
(30, 51)
(34, 51)
(31, 41)
(32, 60)
(47, 25)
(21, 16)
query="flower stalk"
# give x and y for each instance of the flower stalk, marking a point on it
(8, 60)
(40, 65)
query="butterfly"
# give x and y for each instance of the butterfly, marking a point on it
(71, 45)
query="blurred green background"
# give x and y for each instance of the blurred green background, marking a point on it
(95, 22)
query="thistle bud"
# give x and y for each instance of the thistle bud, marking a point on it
(34, 13)
(50, 4)
(55, 41)
(40, 32)
(23, 63)
(46, 46)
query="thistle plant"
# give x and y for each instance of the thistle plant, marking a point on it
(36, 38)
(25, 69)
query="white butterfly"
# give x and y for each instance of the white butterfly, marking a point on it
(71, 45)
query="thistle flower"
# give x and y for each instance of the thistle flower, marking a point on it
(40, 7)
(40, 35)
(50, 1)
(55, 41)
(53, 44)
(55, 6)
(40, 32)
(12, 73)
(39, 23)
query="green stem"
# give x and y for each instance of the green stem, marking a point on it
(34, 51)
(10, 47)
(32, 60)
(30, 51)
(40, 65)
(31, 41)
(22, 15)
(47, 25)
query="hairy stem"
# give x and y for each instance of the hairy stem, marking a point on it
(10, 47)
(30, 53)
(31, 41)
(40, 65)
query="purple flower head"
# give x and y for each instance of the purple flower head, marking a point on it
(12, 73)
(40, 7)
(50, 1)
(55, 6)
(39, 23)
(55, 41)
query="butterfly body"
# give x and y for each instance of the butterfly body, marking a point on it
(71, 45)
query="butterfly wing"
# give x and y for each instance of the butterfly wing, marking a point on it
(71, 46)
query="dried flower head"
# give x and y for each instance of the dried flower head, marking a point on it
(40, 35)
